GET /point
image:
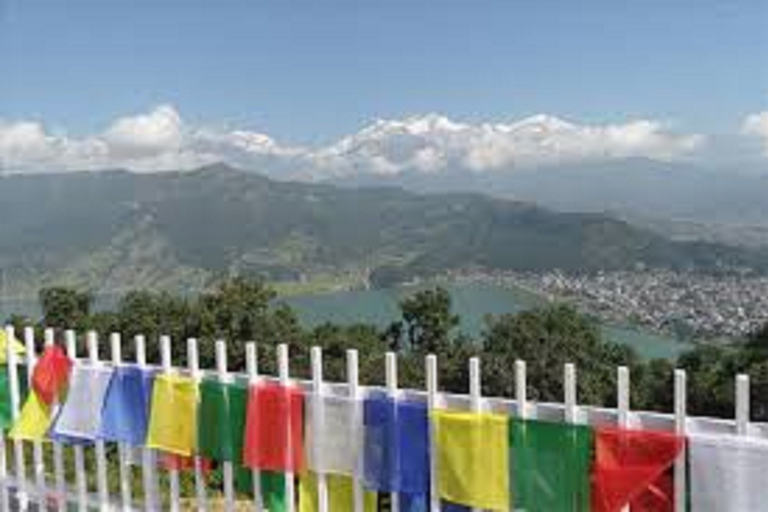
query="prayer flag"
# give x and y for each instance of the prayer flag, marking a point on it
(49, 380)
(16, 346)
(173, 415)
(333, 428)
(126, 406)
(550, 466)
(273, 429)
(221, 421)
(6, 417)
(272, 488)
(33, 421)
(473, 459)
(628, 465)
(728, 473)
(396, 456)
(79, 418)
(340, 494)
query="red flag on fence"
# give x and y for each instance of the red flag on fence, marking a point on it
(273, 439)
(51, 374)
(632, 467)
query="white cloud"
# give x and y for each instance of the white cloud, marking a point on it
(756, 125)
(160, 139)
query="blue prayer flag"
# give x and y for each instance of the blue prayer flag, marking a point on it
(126, 406)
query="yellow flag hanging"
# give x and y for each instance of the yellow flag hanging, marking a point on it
(473, 459)
(173, 415)
(33, 421)
(17, 347)
(341, 496)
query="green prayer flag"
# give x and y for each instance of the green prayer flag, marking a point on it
(6, 419)
(550, 465)
(272, 487)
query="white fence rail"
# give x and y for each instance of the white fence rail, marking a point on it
(42, 482)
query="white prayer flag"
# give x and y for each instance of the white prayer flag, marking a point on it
(728, 473)
(80, 416)
(333, 435)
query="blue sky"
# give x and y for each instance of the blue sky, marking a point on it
(309, 71)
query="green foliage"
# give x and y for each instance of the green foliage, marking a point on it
(65, 308)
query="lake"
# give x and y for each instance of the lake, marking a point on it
(472, 302)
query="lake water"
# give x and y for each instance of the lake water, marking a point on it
(472, 302)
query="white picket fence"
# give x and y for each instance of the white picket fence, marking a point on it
(24, 488)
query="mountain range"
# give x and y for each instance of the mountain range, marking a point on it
(114, 230)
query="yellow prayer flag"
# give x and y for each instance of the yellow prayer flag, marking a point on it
(17, 347)
(33, 421)
(341, 496)
(173, 415)
(473, 459)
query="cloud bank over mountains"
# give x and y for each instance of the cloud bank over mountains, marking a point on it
(160, 139)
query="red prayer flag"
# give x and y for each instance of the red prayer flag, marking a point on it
(632, 468)
(172, 461)
(51, 374)
(273, 428)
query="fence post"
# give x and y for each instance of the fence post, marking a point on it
(37, 455)
(58, 450)
(353, 380)
(475, 391)
(5, 501)
(569, 392)
(521, 389)
(101, 455)
(193, 363)
(317, 417)
(252, 367)
(622, 400)
(18, 446)
(221, 368)
(173, 473)
(742, 404)
(434, 489)
(81, 482)
(680, 428)
(391, 381)
(147, 456)
(283, 364)
(124, 467)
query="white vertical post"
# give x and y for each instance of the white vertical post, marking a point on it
(431, 371)
(475, 391)
(101, 454)
(353, 380)
(173, 474)
(81, 483)
(283, 364)
(58, 451)
(317, 419)
(569, 391)
(521, 389)
(229, 489)
(18, 446)
(742, 404)
(124, 467)
(680, 428)
(147, 456)
(37, 456)
(391, 381)
(622, 399)
(193, 363)
(252, 367)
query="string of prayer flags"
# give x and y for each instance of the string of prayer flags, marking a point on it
(630, 464)
(173, 415)
(273, 431)
(341, 496)
(332, 435)
(79, 418)
(49, 380)
(727, 473)
(550, 466)
(396, 455)
(125, 415)
(15, 345)
(473, 459)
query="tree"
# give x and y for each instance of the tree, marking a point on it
(429, 321)
(65, 308)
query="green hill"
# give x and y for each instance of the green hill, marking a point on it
(112, 231)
